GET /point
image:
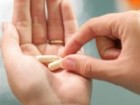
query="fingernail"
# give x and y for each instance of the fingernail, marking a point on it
(68, 64)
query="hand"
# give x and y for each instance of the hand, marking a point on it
(120, 48)
(32, 82)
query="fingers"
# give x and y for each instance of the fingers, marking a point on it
(91, 67)
(55, 23)
(10, 45)
(92, 29)
(107, 48)
(69, 19)
(39, 29)
(22, 20)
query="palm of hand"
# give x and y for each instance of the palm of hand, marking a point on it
(63, 84)
(60, 85)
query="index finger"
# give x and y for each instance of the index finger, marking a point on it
(69, 19)
(22, 20)
(101, 26)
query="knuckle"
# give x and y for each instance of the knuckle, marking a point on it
(77, 42)
(22, 23)
(92, 69)
(87, 68)
(133, 17)
(96, 73)
(129, 22)
(38, 19)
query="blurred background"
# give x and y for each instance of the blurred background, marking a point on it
(103, 93)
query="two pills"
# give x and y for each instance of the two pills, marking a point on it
(53, 61)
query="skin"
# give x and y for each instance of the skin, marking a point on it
(118, 38)
(31, 82)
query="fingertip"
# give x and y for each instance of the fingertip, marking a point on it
(111, 54)
(68, 63)
(61, 52)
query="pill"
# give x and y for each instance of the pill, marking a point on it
(47, 58)
(55, 65)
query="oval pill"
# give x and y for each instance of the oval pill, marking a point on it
(55, 65)
(47, 58)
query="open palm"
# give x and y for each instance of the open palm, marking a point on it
(29, 79)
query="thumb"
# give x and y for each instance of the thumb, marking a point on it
(91, 67)
(10, 45)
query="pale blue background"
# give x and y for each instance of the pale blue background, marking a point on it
(103, 93)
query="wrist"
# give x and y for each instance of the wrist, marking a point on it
(47, 99)
(49, 102)
(52, 101)
(42, 102)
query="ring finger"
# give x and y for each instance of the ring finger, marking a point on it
(55, 23)
(39, 29)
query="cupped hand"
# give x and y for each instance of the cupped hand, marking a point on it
(31, 34)
(118, 38)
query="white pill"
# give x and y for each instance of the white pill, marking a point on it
(55, 65)
(47, 58)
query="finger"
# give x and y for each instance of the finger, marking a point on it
(93, 28)
(91, 67)
(55, 23)
(22, 20)
(107, 48)
(10, 45)
(1, 29)
(39, 30)
(69, 19)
